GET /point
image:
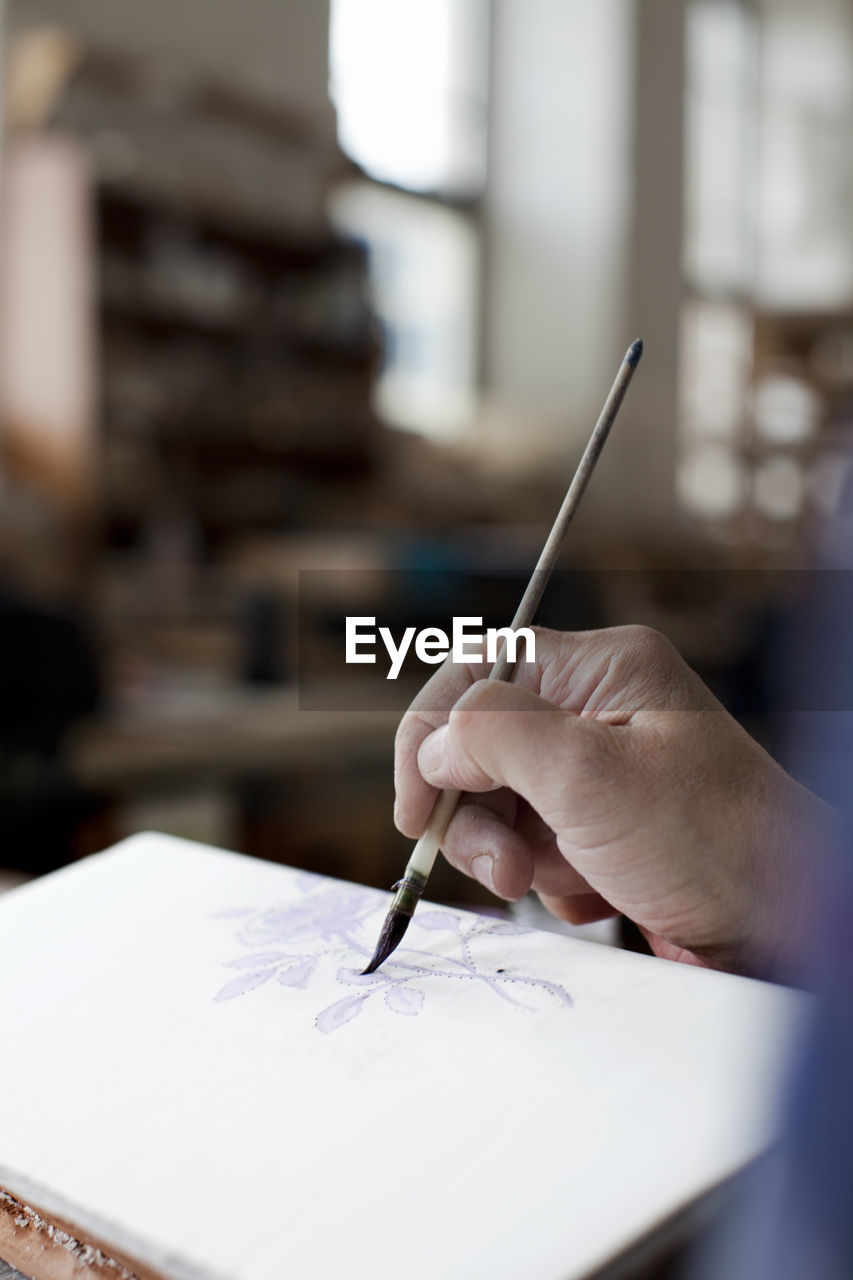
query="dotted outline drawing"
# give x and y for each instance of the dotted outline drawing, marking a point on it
(286, 943)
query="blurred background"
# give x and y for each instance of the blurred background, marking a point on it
(332, 291)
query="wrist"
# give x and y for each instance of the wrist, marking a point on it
(793, 840)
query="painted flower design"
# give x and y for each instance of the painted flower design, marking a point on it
(329, 922)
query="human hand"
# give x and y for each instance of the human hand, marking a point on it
(607, 778)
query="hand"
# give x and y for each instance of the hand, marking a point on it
(607, 778)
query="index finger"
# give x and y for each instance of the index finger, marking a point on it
(431, 708)
(427, 712)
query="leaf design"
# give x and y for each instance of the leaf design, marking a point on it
(436, 920)
(355, 978)
(263, 960)
(337, 1014)
(246, 982)
(404, 999)
(298, 974)
(324, 924)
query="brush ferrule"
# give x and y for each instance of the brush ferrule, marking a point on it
(408, 892)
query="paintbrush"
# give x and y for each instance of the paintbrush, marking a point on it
(408, 891)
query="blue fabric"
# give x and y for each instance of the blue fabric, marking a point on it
(795, 1221)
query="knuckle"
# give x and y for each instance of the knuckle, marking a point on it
(643, 647)
(478, 697)
(647, 639)
(411, 731)
(548, 640)
(403, 737)
(402, 734)
(556, 649)
(414, 726)
(461, 721)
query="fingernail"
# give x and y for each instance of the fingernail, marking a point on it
(431, 754)
(482, 868)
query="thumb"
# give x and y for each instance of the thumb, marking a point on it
(501, 735)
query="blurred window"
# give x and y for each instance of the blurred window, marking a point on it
(720, 126)
(716, 367)
(716, 323)
(425, 281)
(768, 266)
(409, 81)
(805, 250)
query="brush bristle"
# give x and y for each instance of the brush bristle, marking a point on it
(396, 924)
(635, 352)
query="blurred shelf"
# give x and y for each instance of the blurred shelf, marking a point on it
(164, 319)
(263, 731)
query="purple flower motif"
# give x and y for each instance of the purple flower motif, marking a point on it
(330, 914)
(339, 922)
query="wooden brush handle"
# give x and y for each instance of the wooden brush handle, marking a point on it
(426, 849)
